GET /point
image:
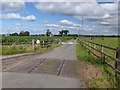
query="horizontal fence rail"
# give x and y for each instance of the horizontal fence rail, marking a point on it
(115, 67)
(110, 57)
(108, 47)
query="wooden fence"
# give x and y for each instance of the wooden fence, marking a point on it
(43, 43)
(91, 48)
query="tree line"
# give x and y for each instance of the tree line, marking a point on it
(61, 33)
(22, 33)
(48, 33)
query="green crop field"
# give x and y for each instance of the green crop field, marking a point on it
(27, 39)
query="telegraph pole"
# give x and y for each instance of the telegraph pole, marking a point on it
(81, 25)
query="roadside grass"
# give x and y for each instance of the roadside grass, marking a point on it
(104, 80)
(18, 49)
(22, 44)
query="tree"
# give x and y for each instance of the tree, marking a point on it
(64, 32)
(48, 32)
(61, 33)
(14, 34)
(24, 33)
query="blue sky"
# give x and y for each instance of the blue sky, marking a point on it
(37, 17)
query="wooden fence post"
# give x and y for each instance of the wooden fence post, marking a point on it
(94, 48)
(102, 57)
(102, 48)
(33, 46)
(43, 43)
(82, 43)
(88, 48)
(101, 52)
(117, 66)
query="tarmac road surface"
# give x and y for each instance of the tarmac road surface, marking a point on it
(54, 69)
(67, 51)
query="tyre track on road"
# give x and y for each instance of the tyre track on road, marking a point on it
(37, 65)
(60, 68)
(44, 66)
(26, 66)
(51, 66)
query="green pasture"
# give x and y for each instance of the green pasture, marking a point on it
(108, 41)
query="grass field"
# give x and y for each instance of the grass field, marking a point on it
(108, 41)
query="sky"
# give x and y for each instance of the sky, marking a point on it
(91, 17)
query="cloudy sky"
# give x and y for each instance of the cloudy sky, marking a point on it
(84, 17)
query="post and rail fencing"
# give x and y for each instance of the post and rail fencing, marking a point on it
(92, 48)
(31, 44)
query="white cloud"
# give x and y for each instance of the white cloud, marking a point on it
(71, 8)
(10, 16)
(63, 24)
(112, 9)
(29, 18)
(72, 27)
(96, 18)
(52, 25)
(66, 22)
(12, 6)
(109, 20)
(13, 16)
(69, 23)
(105, 23)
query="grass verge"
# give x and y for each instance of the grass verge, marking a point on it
(18, 49)
(102, 80)
(23, 47)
